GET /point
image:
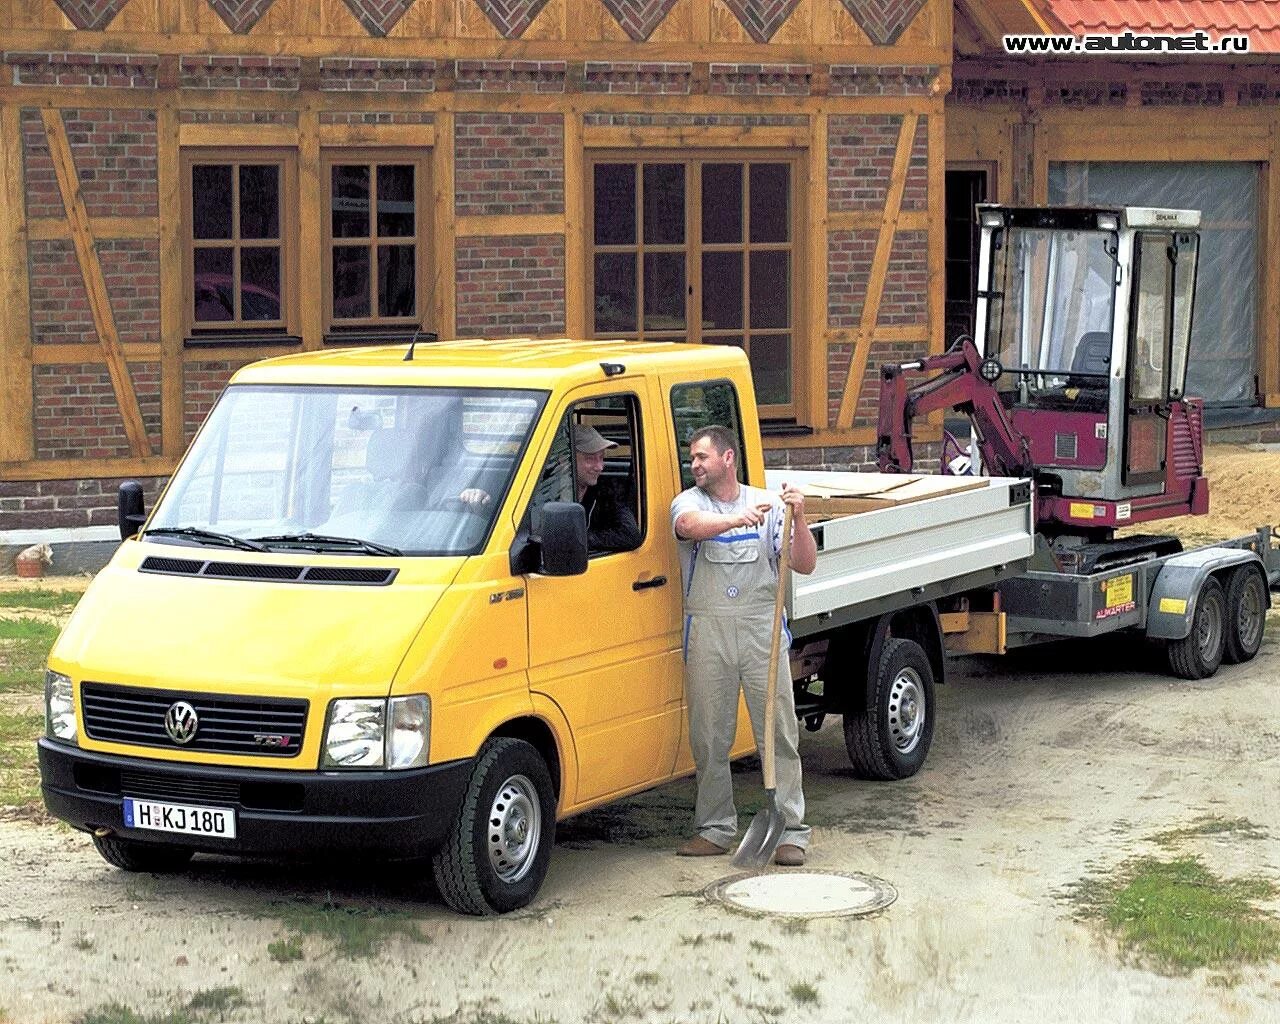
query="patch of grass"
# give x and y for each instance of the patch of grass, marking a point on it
(24, 649)
(41, 600)
(1174, 916)
(217, 1000)
(803, 993)
(19, 773)
(84, 943)
(118, 1013)
(354, 931)
(1238, 828)
(647, 978)
(283, 951)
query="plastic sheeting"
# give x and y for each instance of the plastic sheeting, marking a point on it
(1224, 333)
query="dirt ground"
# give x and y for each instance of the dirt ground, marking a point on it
(1048, 768)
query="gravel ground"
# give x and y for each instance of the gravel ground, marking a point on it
(1039, 777)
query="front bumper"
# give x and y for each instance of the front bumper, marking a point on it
(278, 813)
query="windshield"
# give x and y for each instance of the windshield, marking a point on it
(418, 471)
(1051, 307)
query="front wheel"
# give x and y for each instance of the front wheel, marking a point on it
(890, 739)
(131, 855)
(497, 852)
(1246, 615)
(1199, 653)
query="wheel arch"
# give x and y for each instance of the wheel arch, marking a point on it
(1171, 607)
(538, 733)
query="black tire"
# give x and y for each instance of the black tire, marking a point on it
(890, 739)
(1199, 653)
(131, 855)
(488, 865)
(1247, 602)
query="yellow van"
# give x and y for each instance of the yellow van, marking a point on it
(375, 609)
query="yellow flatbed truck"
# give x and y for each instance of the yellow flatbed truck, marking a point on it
(368, 614)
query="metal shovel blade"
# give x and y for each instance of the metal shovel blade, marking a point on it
(761, 841)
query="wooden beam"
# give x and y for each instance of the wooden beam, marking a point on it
(445, 284)
(172, 277)
(936, 207)
(95, 284)
(227, 136)
(1269, 323)
(41, 229)
(510, 224)
(78, 469)
(879, 271)
(818, 228)
(576, 219)
(402, 135)
(679, 137)
(311, 270)
(17, 440)
(74, 352)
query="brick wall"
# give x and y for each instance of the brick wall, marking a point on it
(376, 117)
(638, 78)
(882, 80)
(860, 150)
(510, 286)
(363, 74)
(60, 307)
(281, 117)
(849, 256)
(759, 79)
(76, 414)
(112, 70)
(905, 299)
(53, 504)
(848, 458)
(115, 158)
(509, 164)
(533, 76)
(221, 71)
(639, 120)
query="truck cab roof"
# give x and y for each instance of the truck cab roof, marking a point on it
(516, 362)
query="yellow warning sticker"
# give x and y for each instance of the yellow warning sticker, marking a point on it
(1174, 605)
(1119, 591)
(1081, 510)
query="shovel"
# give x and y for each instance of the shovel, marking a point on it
(761, 840)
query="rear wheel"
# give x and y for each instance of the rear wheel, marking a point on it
(131, 855)
(890, 739)
(1198, 655)
(1246, 615)
(497, 852)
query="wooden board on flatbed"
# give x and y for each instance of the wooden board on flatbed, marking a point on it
(847, 494)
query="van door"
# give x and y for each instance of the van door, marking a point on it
(605, 645)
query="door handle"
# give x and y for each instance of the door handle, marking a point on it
(656, 581)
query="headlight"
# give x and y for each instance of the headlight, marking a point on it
(354, 737)
(59, 707)
(369, 733)
(407, 738)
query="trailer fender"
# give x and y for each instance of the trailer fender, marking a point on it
(1172, 605)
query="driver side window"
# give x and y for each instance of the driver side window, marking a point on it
(595, 460)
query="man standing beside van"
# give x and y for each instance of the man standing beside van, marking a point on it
(730, 537)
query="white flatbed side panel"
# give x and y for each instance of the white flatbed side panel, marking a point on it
(890, 550)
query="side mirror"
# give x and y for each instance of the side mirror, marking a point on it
(129, 510)
(564, 539)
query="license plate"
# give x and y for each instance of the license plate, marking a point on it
(219, 822)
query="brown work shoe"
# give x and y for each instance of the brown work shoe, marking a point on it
(789, 856)
(699, 847)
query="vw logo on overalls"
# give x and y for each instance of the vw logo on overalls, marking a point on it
(731, 591)
(181, 722)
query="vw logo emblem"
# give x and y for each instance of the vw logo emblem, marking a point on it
(181, 722)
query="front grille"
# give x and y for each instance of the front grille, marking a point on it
(176, 788)
(264, 727)
(154, 786)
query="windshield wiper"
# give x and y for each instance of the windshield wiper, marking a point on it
(320, 541)
(205, 537)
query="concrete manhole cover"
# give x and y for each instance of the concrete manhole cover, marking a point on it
(804, 893)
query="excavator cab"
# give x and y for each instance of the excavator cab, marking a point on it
(1083, 322)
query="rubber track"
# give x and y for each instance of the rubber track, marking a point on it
(456, 872)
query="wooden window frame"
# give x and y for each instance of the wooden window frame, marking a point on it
(420, 159)
(286, 160)
(693, 248)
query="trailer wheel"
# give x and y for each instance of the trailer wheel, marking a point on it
(1246, 615)
(131, 855)
(890, 739)
(1199, 653)
(497, 852)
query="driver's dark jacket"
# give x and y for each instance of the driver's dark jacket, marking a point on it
(611, 526)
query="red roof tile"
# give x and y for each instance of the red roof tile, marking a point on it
(1257, 19)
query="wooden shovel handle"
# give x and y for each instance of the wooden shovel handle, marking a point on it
(771, 691)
